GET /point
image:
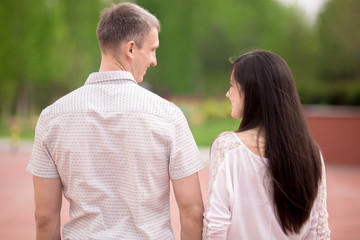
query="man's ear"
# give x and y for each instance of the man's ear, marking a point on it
(129, 49)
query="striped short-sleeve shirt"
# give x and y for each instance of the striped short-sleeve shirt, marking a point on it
(115, 146)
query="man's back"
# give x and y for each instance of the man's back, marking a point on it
(115, 147)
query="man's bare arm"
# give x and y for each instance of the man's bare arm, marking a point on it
(48, 200)
(191, 207)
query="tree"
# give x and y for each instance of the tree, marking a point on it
(199, 37)
(339, 55)
(339, 34)
(47, 49)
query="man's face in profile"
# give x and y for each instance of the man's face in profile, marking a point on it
(145, 56)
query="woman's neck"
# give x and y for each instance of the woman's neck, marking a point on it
(254, 139)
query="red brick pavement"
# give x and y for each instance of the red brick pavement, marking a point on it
(17, 204)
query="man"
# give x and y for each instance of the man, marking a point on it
(112, 147)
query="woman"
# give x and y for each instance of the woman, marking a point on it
(267, 179)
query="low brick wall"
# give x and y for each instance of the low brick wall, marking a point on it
(337, 131)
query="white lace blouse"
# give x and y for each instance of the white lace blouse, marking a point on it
(239, 205)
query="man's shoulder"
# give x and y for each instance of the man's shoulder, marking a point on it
(141, 101)
(59, 106)
(155, 97)
(160, 105)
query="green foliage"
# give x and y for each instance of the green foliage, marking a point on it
(338, 57)
(339, 33)
(15, 127)
(200, 109)
(48, 48)
(199, 37)
(207, 117)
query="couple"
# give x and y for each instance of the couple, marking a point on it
(112, 147)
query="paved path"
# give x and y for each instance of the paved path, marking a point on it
(17, 204)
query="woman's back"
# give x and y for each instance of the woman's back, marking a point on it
(240, 204)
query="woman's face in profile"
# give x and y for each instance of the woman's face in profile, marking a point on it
(236, 97)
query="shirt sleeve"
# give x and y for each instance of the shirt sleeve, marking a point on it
(217, 216)
(185, 157)
(41, 163)
(319, 228)
(322, 227)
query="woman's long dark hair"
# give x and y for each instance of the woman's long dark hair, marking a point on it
(273, 105)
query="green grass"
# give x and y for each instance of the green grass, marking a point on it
(4, 131)
(205, 133)
(24, 129)
(27, 134)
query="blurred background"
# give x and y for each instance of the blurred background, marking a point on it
(49, 47)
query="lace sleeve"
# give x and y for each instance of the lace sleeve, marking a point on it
(222, 144)
(322, 228)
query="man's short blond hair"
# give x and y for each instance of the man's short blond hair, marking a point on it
(124, 22)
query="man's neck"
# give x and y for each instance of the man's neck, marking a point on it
(109, 63)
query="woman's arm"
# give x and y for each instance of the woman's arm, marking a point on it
(322, 228)
(319, 222)
(217, 216)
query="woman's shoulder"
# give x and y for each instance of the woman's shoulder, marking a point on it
(245, 143)
(225, 141)
(225, 137)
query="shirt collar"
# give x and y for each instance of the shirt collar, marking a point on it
(97, 77)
